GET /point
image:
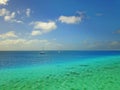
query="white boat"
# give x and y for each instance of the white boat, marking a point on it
(42, 52)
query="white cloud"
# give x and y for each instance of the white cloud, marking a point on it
(4, 12)
(8, 35)
(43, 27)
(3, 2)
(36, 32)
(46, 26)
(11, 18)
(28, 11)
(8, 16)
(70, 19)
(17, 21)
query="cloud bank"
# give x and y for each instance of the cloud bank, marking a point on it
(10, 34)
(28, 44)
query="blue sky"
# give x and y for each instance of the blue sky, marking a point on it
(59, 24)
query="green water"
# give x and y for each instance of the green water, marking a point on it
(95, 74)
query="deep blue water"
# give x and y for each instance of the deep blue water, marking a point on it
(14, 59)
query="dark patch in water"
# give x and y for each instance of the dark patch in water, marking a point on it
(84, 65)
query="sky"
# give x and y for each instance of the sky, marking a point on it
(59, 25)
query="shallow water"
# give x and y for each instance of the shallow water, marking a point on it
(91, 72)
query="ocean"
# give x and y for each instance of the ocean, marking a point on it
(63, 70)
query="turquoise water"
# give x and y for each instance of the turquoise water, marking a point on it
(67, 70)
